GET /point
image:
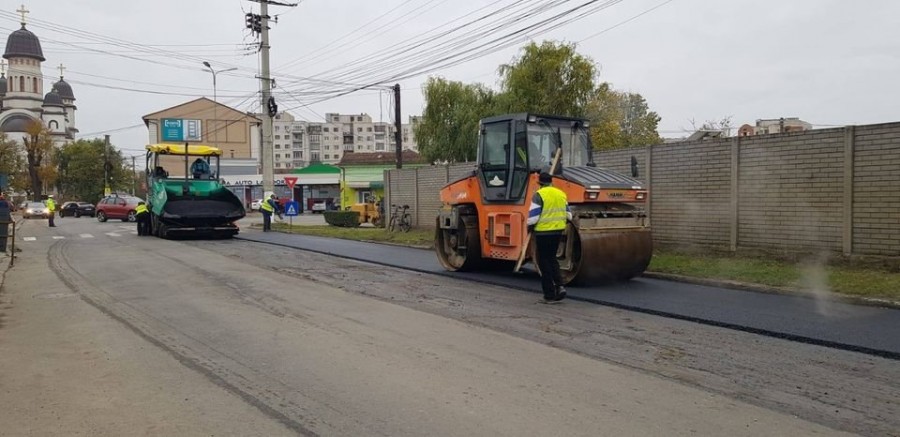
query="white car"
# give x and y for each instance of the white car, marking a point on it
(254, 206)
(319, 206)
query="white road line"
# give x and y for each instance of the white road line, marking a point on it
(59, 237)
(29, 238)
(113, 234)
(86, 236)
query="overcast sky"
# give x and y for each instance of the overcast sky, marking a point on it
(829, 62)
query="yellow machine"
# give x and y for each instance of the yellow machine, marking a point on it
(482, 223)
(369, 212)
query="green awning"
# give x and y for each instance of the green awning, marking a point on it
(317, 169)
(377, 184)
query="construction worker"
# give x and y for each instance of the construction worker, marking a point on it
(51, 208)
(268, 207)
(142, 217)
(547, 220)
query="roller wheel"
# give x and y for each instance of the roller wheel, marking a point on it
(459, 248)
(590, 257)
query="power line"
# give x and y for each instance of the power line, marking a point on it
(625, 21)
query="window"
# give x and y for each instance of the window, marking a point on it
(379, 147)
(369, 138)
(278, 146)
(327, 156)
(277, 128)
(34, 79)
(314, 156)
(369, 129)
(277, 137)
(325, 129)
(278, 164)
(21, 83)
(359, 119)
(53, 125)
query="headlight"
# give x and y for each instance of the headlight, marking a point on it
(29, 211)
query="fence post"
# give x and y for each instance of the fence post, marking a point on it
(847, 231)
(649, 178)
(416, 195)
(735, 190)
(386, 200)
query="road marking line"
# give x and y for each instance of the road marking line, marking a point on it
(113, 234)
(29, 238)
(86, 236)
(59, 237)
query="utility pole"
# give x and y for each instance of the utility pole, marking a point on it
(398, 124)
(269, 108)
(106, 190)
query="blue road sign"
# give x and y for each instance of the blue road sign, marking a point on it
(292, 208)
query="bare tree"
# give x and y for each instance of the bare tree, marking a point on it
(39, 152)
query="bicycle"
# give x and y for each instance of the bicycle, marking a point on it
(401, 219)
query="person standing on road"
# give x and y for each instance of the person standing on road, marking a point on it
(547, 218)
(51, 208)
(268, 207)
(142, 217)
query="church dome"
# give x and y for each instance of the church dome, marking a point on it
(53, 99)
(3, 85)
(16, 123)
(24, 44)
(64, 89)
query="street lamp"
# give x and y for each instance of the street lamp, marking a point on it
(215, 98)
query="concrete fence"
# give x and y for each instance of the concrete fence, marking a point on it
(831, 190)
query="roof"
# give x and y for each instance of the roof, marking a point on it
(178, 149)
(317, 169)
(153, 115)
(380, 158)
(24, 44)
(64, 89)
(53, 99)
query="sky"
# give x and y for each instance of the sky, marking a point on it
(828, 62)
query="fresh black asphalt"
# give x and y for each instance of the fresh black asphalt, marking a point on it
(828, 322)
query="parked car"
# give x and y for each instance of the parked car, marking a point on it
(35, 209)
(77, 209)
(254, 206)
(319, 206)
(117, 207)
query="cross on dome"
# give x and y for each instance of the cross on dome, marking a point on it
(61, 70)
(2, 66)
(23, 11)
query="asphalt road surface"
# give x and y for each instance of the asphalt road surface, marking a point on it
(819, 321)
(106, 333)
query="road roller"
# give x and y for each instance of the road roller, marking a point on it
(482, 221)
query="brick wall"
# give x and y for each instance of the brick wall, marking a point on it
(876, 190)
(832, 190)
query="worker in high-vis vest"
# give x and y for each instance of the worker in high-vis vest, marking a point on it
(142, 217)
(51, 209)
(547, 219)
(267, 207)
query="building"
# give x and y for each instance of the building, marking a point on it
(362, 174)
(774, 126)
(202, 121)
(297, 144)
(22, 97)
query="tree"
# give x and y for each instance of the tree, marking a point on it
(449, 128)
(39, 154)
(551, 78)
(81, 170)
(10, 158)
(724, 125)
(621, 119)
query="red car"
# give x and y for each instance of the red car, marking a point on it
(117, 207)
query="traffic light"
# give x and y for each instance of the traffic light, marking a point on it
(248, 19)
(253, 22)
(272, 106)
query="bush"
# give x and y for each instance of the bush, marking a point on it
(343, 219)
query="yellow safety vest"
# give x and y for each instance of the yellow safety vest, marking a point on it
(51, 205)
(140, 209)
(553, 213)
(266, 206)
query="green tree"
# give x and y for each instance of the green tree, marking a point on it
(551, 78)
(10, 158)
(449, 127)
(621, 119)
(81, 170)
(39, 155)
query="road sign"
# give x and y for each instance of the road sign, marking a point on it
(290, 181)
(292, 208)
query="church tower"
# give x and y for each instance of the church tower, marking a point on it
(24, 83)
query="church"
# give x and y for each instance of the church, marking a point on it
(22, 97)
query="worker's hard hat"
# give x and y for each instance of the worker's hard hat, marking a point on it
(545, 178)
